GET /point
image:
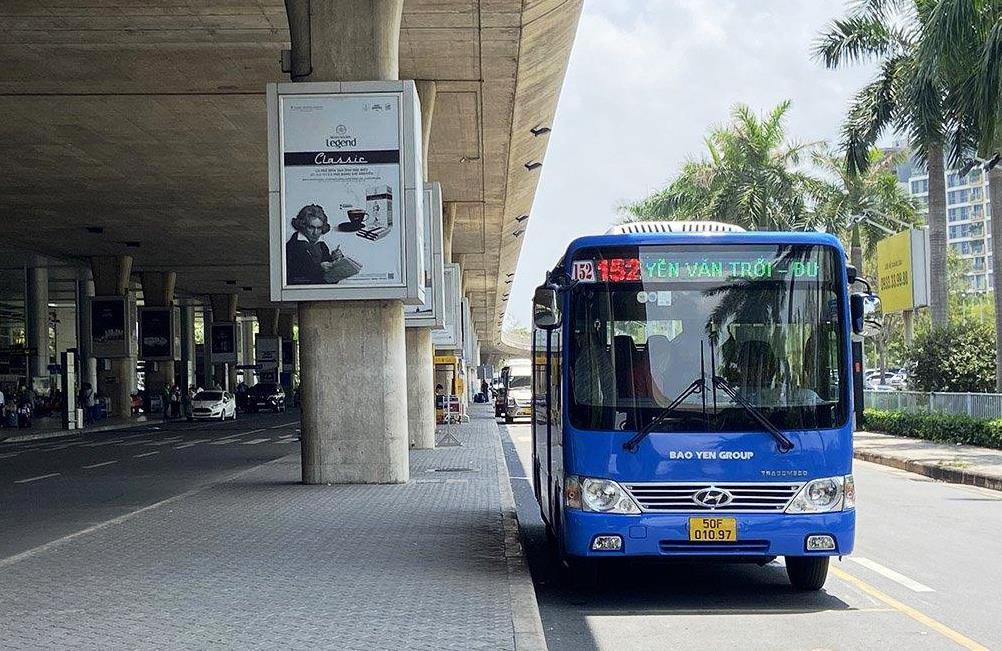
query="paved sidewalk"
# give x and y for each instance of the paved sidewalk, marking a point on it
(50, 428)
(262, 562)
(959, 464)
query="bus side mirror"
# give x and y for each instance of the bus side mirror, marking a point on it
(545, 314)
(867, 319)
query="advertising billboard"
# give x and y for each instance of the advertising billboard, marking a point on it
(268, 353)
(430, 313)
(110, 327)
(345, 191)
(902, 271)
(159, 335)
(223, 347)
(449, 337)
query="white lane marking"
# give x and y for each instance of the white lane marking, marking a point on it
(98, 465)
(139, 442)
(185, 445)
(9, 455)
(98, 444)
(887, 572)
(254, 441)
(145, 454)
(25, 481)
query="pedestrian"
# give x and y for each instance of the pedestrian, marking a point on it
(175, 401)
(484, 390)
(87, 401)
(3, 409)
(24, 407)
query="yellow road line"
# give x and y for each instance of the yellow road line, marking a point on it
(918, 616)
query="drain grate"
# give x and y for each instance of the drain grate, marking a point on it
(451, 470)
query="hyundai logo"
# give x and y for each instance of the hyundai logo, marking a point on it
(712, 497)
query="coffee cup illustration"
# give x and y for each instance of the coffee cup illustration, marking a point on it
(357, 215)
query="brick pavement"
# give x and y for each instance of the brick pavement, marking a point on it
(262, 562)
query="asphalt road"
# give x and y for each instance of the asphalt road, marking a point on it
(57, 487)
(926, 574)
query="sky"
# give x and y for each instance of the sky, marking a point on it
(645, 82)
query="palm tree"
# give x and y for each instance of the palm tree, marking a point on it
(908, 95)
(843, 197)
(962, 40)
(748, 179)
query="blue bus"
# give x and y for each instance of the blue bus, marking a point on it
(691, 396)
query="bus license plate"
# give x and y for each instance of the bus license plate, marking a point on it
(713, 529)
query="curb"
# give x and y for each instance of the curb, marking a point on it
(951, 475)
(62, 433)
(525, 618)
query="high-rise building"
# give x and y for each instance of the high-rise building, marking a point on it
(968, 216)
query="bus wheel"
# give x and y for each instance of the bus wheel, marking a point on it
(508, 419)
(807, 572)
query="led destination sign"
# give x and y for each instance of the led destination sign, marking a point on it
(690, 266)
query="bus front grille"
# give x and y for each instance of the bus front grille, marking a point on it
(763, 497)
(687, 547)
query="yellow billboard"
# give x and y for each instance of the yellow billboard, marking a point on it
(894, 272)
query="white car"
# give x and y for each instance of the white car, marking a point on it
(213, 405)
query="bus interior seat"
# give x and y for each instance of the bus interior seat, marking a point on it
(624, 355)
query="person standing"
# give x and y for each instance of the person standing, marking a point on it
(3, 407)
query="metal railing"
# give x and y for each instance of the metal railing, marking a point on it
(978, 405)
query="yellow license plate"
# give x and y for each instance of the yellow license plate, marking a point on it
(713, 529)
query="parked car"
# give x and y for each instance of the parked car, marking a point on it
(213, 405)
(266, 396)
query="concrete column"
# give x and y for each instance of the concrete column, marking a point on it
(36, 319)
(88, 363)
(352, 352)
(116, 377)
(224, 308)
(448, 226)
(188, 346)
(420, 388)
(158, 291)
(354, 401)
(267, 321)
(286, 330)
(208, 370)
(420, 352)
(247, 350)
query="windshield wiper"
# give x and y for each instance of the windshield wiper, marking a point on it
(699, 384)
(785, 444)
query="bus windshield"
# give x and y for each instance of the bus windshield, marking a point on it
(766, 320)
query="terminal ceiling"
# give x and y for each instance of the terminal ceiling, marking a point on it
(145, 119)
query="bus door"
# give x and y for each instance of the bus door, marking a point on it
(540, 419)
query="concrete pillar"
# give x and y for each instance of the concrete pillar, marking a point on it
(286, 330)
(224, 308)
(116, 377)
(88, 363)
(247, 350)
(353, 392)
(420, 388)
(352, 352)
(208, 370)
(158, 291)
(36, 319)
(448, 226)
(420, 352)
(267, 321)
(188, 346)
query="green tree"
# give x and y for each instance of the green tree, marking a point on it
(962, 41)
(846, 196)
(908, 95)
(749, 178)
(956, 357)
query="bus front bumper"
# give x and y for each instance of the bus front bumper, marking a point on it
(667, 534)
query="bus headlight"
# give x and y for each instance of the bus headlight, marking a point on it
(825, 495)
(597, 495)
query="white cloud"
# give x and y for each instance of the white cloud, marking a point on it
(645, 81)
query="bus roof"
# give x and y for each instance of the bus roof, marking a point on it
(748, 238)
